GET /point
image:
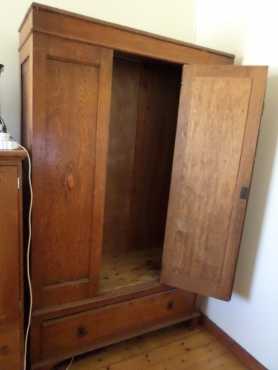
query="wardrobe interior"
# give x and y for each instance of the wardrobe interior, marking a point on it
(144, 107)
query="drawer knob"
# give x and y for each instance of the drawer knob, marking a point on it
(170, 305)
(82, 332)
(4, 350)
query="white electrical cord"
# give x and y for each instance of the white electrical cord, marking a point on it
(28, 256)
(70, 363)
(28, 261)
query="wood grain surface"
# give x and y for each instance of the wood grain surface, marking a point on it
(69, 161)
(11, 260)
(175, 348)
(63, 24)
(141, 142)
(216, 122)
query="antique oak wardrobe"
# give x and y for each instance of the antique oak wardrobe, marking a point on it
(142, 152)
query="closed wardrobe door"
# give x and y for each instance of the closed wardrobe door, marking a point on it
(72, 87)
(219, 116)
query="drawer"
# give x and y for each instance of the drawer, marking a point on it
(10, 348)
(80, 332)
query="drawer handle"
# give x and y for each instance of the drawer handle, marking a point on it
(82, 332)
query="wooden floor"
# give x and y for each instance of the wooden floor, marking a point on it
(122, 269)
(174, 348)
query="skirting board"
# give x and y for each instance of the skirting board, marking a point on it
(245, 358)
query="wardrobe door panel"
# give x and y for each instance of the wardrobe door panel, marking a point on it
(219, 116)
(69, 159)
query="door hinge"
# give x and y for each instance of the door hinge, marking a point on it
(18, 183)
(244, 192)
(263, 109)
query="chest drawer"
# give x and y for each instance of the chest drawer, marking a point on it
(78, 332)
(10, 347)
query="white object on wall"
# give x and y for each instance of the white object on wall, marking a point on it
(7, 142)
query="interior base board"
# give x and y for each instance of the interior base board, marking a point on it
(245, 358)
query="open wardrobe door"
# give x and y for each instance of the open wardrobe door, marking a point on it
(219, 117)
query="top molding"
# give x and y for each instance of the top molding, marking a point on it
(52, 21)
(16, 154)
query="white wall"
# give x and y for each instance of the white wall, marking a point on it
(173, 18)
(250, 29)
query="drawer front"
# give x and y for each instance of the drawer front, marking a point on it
(79, 332)
(10, 348)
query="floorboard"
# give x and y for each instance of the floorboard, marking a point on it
(174, 348)
(126, 268)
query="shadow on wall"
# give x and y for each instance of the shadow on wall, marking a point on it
(259, 192)
(253, 228)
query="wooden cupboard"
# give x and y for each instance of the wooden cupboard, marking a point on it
(11, 254)
(142, 152)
